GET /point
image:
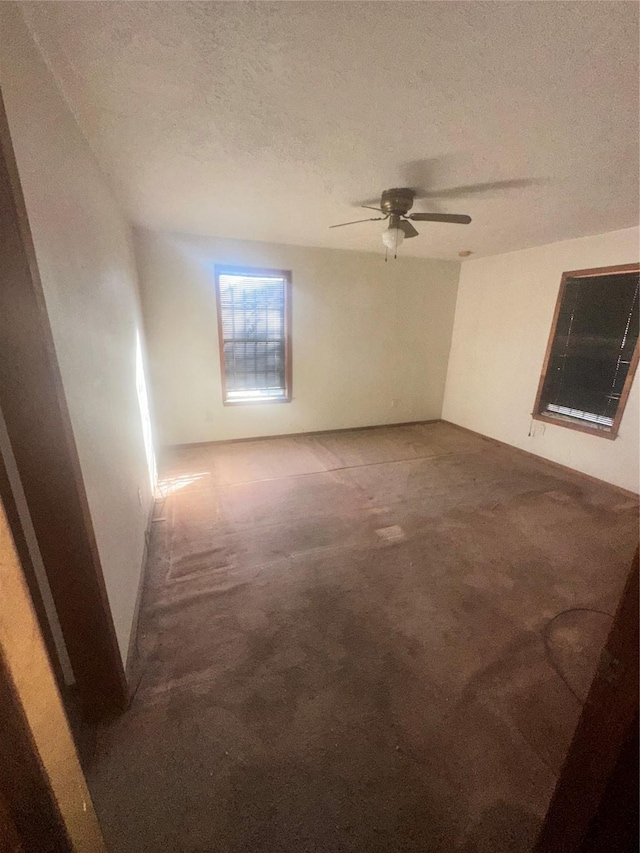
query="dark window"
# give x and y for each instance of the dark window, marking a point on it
(253, 328)
(592, 351)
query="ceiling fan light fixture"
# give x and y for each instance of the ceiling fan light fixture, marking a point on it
(393, 237)
(395, 205)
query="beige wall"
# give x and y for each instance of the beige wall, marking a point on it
(84, 252)
(503, 318)
(370, 339)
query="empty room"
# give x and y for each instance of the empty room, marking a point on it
(319, 426)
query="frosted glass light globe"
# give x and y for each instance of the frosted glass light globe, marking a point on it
(392, 238)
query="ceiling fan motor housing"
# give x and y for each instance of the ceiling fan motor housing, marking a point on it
(397, 201)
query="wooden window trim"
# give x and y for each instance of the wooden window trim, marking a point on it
(537, 415)
(256, 273)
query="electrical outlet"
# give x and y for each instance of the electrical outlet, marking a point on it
(139, 497)
(394, 403)
(208, 415)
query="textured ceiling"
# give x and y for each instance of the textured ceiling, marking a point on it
(271, 121)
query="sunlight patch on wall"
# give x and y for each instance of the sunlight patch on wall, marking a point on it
(145, 415)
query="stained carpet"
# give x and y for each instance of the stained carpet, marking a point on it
(341, 646)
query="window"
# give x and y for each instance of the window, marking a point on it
(254, 311)
(592, 352)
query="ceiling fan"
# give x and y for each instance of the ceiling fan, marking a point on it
(395, 205)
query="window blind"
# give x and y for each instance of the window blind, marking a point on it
(595, 338)
(252, 321)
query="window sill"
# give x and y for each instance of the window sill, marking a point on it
(573, 423)
(257, 402)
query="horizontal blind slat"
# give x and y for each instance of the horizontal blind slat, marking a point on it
(595, 336)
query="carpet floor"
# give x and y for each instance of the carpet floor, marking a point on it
(342, 646)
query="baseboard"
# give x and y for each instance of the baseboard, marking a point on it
(626, 492)
(133, 636)
(295, 434)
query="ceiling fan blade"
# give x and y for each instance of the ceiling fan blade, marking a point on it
(356, 221)
(460, 219)
(368, 202)
(407, 227)
(369, 207)
(480, 189)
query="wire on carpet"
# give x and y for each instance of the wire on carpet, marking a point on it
(549, 651)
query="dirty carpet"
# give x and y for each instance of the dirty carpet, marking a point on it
(341, 646)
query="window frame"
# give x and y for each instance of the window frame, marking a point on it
(256, 272)
(610, 432)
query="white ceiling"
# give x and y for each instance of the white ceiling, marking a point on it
(272, 121)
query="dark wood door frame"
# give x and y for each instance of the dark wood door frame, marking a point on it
(33, 403)
(20, 540)
(45, 805)
(594, 806)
